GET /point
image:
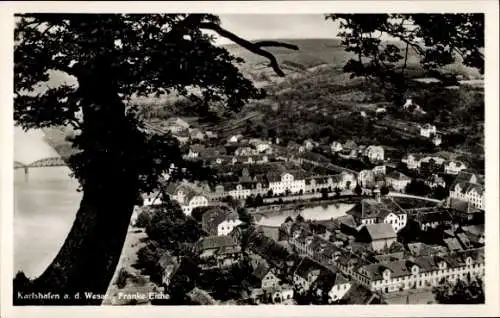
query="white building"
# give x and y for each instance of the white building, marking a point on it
(176, 125)
(374, 153)
(470, 192)
(379, 170)
(194, 151)
(412, 161)
(376, 211)
(151, 199)
(417, 273)
(263, 146)
(437, 140)
(339, 288)
(427, 130)
(346, 181)
(286, 181)
(235, 138)
(227, 226)
(435, 181)
(397, 180)
(188, 198)
(454, 167)
(336, 146)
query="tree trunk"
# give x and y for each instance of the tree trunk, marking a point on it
(88, 258)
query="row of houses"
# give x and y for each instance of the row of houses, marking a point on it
(386, 273)
(190, 196)
(277, 266)
(418, 161)
(351, 150)
(413, 272)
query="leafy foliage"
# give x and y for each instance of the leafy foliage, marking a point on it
(461, 292)
(115, 58)
(440, 39)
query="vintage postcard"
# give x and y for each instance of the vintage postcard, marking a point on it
(260, 158)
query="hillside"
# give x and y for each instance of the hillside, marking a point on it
(314, 53)
(318, 100)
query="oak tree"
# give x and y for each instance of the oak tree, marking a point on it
(113, 59)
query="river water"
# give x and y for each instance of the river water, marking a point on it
(45, 205)
(321, 212)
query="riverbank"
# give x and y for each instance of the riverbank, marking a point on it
(136, 282)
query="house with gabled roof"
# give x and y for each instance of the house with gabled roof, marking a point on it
(397, 180)
(217, 251)
(412, 161)
(464, 241)
(306, 273)
(379, 235)
(381, 210)
(432, 219)
(374, 153)
(453, 244)
(265, 277)
(427, 130)
(420, 272)
(176, 125)
(467, 187)
(331, 286)
(475, 233)
(220, 221)
(453, 167)
(435, 181)
(188, 196)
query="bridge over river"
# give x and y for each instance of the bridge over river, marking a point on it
(40, 163)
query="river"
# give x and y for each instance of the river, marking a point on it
(45, 205)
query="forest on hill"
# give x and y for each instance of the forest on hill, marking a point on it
(317, 99)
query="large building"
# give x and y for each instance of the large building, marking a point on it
(374, 153)
(379, 210)
(414, 273)
(188, 197)
(286, 181)
(219, 221)
(468, 187)
(397, 180)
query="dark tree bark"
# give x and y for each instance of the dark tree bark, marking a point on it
(88, 258)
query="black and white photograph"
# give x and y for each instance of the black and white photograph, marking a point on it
(284, 159)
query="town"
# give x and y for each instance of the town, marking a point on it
(293, 224)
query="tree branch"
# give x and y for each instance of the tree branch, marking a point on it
(252, 47)
(406, 59)
(276, 44)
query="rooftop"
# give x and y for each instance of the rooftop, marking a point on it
(214, 242)
(380, 231)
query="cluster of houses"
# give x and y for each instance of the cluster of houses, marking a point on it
(372, 257)
(271, 183)
(353, 259)
(350, 150)
(429, 162)
(429, 131)
(184, 132)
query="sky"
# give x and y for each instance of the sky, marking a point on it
(278, 26)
